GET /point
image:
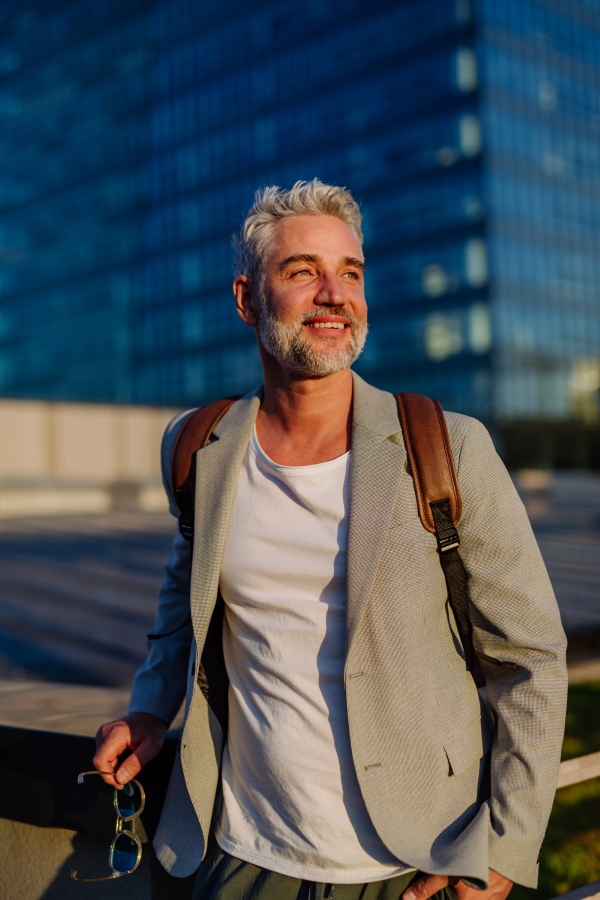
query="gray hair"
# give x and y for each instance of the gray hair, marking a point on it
(255, 240)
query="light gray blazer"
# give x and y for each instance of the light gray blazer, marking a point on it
(448, 790)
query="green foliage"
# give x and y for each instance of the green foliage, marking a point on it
(571, 853)
(582, 727)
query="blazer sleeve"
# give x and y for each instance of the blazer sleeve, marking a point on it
(160, 683)
(515, 619)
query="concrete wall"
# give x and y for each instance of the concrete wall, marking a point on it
(37, 863)
(78, 458)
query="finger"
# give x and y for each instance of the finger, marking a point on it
(464, 892)
(500, 883)
(143, 753)
(111, 780)
(105, 730)
(102, 733)
(426, 887)
(115, 743)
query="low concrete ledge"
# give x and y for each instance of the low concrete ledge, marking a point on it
(49, 824)
(38, 774)
(37, 863)
(68, 708)
(18, 500)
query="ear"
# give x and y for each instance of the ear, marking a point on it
(245, 300)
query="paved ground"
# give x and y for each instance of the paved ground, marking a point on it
(70, 708)
(78, 595)
(565, 515)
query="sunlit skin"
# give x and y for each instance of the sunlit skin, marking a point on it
(316, 263)
(301, 421)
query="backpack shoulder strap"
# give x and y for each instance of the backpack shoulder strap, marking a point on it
(438, 495)
(430, 456)
(440, 508)
(193, 435)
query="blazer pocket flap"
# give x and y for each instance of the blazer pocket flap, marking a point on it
(466, 749)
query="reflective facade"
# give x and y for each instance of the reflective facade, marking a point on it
(135, 133)
(541, 113)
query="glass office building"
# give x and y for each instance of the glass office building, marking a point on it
(135, 133)
(540, 109)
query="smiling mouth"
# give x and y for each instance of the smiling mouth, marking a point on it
(339, 326)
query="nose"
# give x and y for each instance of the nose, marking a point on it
(330, 292)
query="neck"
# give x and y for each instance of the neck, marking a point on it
(303, 421)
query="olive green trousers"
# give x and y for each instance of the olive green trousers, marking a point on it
(223, 877)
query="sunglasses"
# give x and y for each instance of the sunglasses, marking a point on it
(126, 849)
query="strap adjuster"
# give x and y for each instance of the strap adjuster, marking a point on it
(445, 532)
(186, 528)
(186, 518)
(447, 538)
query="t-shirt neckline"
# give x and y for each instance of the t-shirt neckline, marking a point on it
(315, 468)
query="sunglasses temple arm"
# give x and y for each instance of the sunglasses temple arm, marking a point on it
(104, 878)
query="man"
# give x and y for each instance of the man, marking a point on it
(329, 711)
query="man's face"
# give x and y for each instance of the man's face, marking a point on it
(312, 316)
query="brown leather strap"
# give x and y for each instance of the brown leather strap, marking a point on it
(193, 435)
(440, 508)
(430, 455)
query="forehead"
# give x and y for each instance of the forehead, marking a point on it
(319, 235)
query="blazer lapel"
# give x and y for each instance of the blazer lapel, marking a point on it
(217, 471)
(377, 466)
(376, 470)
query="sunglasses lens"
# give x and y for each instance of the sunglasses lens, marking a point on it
(129, 800)
(125, 853)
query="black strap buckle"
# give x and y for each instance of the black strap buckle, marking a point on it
(445, 532)
(186, 518)
(186, 527)
(447, 539)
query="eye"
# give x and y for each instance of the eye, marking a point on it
(353, 275)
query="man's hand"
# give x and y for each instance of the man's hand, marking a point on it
(499, 888)
(143, 733)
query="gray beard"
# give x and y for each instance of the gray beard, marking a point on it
(288, 345)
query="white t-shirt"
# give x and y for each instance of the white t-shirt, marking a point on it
(291, 799)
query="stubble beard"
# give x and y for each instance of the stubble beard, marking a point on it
(287, 343)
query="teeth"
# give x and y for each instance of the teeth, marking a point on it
(326, 325)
